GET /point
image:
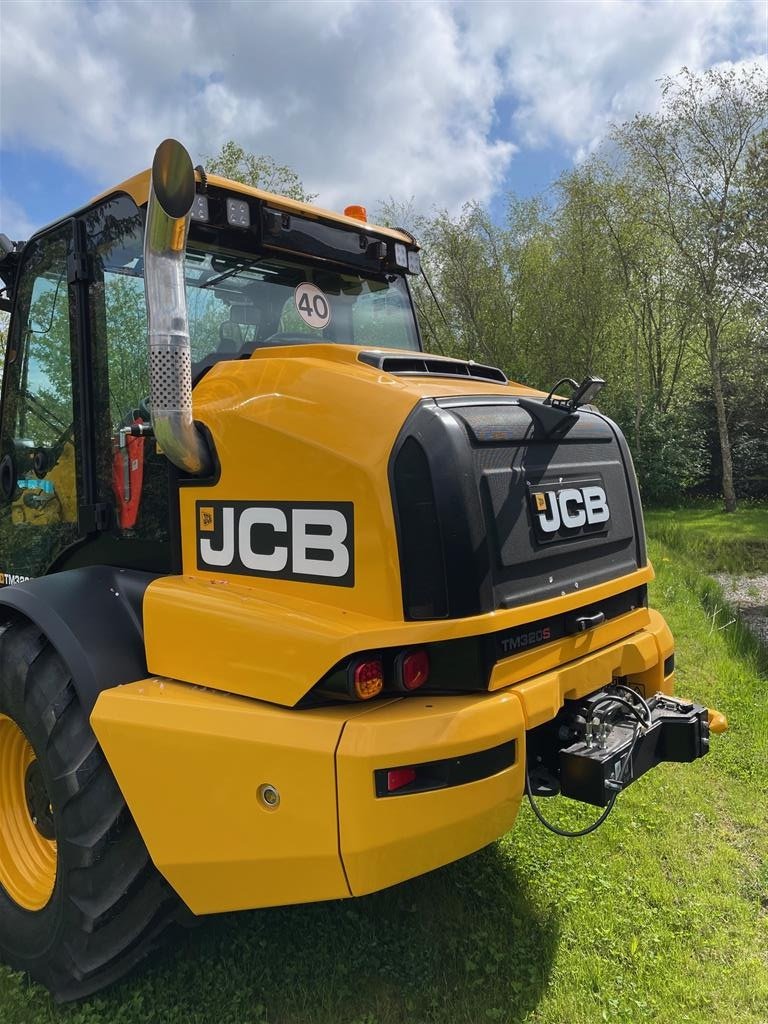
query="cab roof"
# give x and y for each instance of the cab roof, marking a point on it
(137, 188)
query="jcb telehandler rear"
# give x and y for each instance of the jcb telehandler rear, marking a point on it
(292, 610)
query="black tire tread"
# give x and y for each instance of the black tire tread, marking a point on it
(116, 905)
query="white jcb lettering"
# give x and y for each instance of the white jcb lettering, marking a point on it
(259, 562)
(550, 523)
(571, 510)
(596, 505)
(224, 554)
(309, 542)
(303, 542)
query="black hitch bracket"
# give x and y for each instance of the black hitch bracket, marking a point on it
(598, 745)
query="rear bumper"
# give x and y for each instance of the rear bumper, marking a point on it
(384, 840)
(192, 763)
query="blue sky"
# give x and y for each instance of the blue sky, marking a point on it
(434, 103)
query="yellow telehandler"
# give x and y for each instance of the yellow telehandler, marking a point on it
(291, 609)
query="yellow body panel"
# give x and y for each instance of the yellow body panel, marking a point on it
(384, 840)
(638, 658)
(191, 762)
(559, 652)
(255, 641)
(293, 425)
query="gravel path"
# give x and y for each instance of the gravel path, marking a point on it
(749, 596)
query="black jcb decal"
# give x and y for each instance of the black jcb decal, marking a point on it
(307, 541)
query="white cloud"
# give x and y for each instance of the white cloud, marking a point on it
(599, 62)
(366, 100)
(14, 220)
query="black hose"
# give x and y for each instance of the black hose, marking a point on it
(566, 833)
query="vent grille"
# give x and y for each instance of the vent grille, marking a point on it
(432, 366)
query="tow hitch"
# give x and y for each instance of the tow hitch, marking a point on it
(599, 745)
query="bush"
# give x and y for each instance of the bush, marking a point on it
(669, 453)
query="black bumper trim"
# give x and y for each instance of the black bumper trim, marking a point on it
(451, 771)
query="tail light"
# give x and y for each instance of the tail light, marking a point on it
(365, 678)
(411, 669)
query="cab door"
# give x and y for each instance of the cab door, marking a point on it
(38, 475)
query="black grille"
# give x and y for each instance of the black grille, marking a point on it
(421, 553)
(418, 365)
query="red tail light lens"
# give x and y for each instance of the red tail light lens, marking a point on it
(411, 669)
(397, 778)
(366, 678)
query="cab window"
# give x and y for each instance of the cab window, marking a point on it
(38, 420)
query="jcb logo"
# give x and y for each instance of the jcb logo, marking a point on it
(305, 541)
(571, 508)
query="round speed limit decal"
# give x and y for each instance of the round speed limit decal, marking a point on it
(312, 306)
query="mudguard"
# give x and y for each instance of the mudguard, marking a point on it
(93, 617)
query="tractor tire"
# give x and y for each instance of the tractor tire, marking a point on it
(80, 900)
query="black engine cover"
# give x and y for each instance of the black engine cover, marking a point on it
(508, 513)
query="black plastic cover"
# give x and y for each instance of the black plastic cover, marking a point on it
(488, 459)
(93, 617)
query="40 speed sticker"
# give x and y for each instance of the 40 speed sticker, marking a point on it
(312, 306)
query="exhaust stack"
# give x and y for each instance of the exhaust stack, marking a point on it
(171, 194)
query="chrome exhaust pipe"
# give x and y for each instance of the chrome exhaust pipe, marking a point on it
(171, 194)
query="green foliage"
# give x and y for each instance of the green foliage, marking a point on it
(671, 459)
(692, 160)
(233, 161)
(644, 265)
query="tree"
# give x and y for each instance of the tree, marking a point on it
(691, 158)
(262, 172)
(654, 288)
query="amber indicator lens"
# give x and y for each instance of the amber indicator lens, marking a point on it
(367, 678)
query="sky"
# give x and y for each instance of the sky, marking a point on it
(429, 103)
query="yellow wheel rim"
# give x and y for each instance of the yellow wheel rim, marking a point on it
(27, 846)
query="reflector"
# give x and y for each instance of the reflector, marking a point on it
(399, 777)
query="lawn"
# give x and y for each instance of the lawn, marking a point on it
(730, 542)
(662, 915)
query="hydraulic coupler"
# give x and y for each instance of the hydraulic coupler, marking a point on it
(598, 745)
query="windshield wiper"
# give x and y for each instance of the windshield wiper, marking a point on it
(228, 273)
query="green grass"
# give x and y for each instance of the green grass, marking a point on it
(735, 542)
(661, 916)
